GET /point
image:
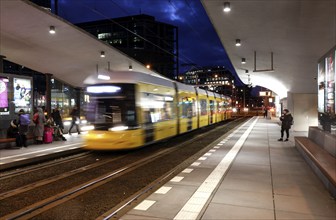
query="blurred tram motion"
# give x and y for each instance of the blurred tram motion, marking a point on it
(133, 109)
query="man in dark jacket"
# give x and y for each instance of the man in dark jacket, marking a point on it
(75, 117)
(286, 123)
(24, 121)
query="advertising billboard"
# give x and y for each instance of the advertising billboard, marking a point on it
(330, 83)
(326, 80)
(321, 85)
(22, 94)
(4, 108)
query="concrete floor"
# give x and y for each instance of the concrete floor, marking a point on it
(246, 175)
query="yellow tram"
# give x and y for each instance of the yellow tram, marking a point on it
(133, 109)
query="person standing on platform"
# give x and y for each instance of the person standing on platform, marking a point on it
(56, 115)
(75, 117)
(286, 123)
(39, 121)
(24, 122)
(265, 112)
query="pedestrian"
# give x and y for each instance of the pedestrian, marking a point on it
(74, 118)
(39, 120)
(13, 129)
(24, 122)
(286, 123)
(58, 122)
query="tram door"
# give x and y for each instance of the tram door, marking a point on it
(148, 126)
(212, 108)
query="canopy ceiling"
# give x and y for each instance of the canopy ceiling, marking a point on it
(70, 55)
(297, 32)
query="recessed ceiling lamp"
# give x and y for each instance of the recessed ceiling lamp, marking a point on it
(102, 54)
(148, 66)
(243, 61)
(238, 44)
(227, 7)
(52, 30)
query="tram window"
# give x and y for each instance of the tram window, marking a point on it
(112, 108)
(212, 105)
(188, 107)
(159, 106)
(203, 103)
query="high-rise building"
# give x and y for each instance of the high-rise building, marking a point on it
(217, 79)
(141, 37)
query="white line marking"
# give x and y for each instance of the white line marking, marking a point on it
(39, 155)
(202, 158)
(34, 152)
(195, 204)
(207, 154)
(163, 190)
(216, 147)
(20, 159)
(187, 170)
(212, 150)
(144, 205)
(177, 179)
(195, 164)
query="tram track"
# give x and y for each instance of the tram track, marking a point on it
(118, 181)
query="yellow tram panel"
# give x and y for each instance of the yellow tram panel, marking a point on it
(165, 129)
(117, 140)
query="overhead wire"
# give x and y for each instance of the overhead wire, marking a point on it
(130, 31)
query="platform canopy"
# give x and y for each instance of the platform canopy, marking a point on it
(70, 54)
(297, 32)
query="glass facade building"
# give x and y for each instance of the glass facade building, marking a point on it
(141, 37)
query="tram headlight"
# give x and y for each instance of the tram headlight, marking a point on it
(119, 128)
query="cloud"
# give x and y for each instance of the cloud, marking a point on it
(198, 41)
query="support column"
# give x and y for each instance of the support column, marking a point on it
(1, 63)
(48, 92)
(78, 103)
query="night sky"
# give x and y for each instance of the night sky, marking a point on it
(198, 42)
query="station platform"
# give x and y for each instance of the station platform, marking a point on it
(14, 157)
(246, 174)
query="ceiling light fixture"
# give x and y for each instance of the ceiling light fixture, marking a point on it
(102, 54)
(227, 7)
(238, 43)
(52, 30)
(243, 61)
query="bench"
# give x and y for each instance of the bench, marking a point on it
(322, 162)
(12, 140)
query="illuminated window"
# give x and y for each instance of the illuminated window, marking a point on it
(104, 35)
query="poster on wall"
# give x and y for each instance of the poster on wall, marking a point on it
(22, 94)
(321, 86)
(4, 108)
(330, 83)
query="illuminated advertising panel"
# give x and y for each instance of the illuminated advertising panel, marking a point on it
(22, 94)
(321, 86)
(330, 83)
(327, 91)
(4, 95)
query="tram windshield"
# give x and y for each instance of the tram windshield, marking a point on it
(110, 106)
